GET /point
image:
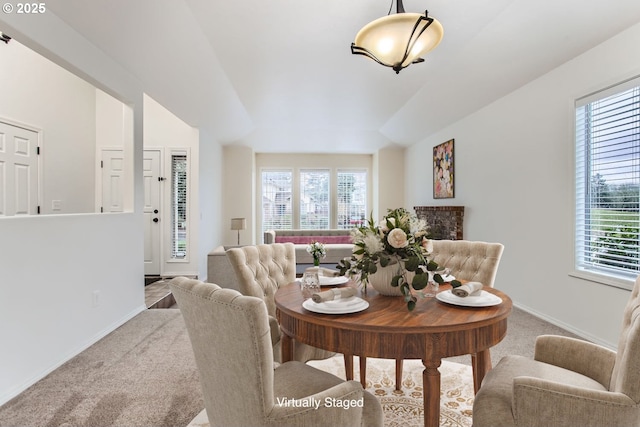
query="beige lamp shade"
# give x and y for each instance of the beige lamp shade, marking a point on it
(399, 40)
(387, 38)
(238, 223)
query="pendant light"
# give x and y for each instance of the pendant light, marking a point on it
(398, 40)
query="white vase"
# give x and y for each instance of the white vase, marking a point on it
(381, 280)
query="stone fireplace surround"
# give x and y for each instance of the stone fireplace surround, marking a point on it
(445, 222)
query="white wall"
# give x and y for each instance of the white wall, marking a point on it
(239, 194)
(50, 265)
(40, 94)
(162, 129)
(514, 175)
(114, 130)
(211, 200)
(388, 181)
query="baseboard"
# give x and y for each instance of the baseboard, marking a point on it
(587, 336)
(10, 394)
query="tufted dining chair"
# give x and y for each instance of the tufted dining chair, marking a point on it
(569, 382)
(231, 340)
(472, 261)
(469, 260)
(261, 270)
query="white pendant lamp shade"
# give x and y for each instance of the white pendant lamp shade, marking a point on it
(388, 37)
(398, 40)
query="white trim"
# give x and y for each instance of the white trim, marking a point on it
(609, 280)
(608, 91)
(13, 392)
(165, 252)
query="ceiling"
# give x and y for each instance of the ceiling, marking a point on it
(279, 75)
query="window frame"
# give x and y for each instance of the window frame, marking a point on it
(337, 193)
(296, 192)
(599, 274)
(293, 206)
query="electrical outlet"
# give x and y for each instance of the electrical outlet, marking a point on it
(56, 205)
(96, 298)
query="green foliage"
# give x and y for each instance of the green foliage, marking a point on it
(420, 281)
(401, 240)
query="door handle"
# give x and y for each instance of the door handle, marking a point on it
(155, 220)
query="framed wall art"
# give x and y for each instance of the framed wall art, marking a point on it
(443, 171)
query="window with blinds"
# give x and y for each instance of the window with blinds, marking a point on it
(352, 199)
(277, 211)
(314, 199)
(178, 206)
(608, 182)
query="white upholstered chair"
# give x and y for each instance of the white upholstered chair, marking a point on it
(467, 260)
(231, 339)
(261, 270)
(569, 382)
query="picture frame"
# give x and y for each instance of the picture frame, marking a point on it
(443, 170)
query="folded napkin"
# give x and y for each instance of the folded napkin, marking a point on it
(327, 272)
(469, 288)
(334, 293)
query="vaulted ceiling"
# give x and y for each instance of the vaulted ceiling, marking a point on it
(278, 75)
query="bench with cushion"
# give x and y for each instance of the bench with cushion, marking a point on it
(337, 243)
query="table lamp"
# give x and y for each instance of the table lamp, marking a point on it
(238, 224)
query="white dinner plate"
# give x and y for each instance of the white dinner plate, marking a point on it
(331, 281)
(485, 299)
(338, 306)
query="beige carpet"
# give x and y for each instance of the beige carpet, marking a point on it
(405, 407)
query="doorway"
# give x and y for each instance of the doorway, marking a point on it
(18, 170)
(152, 211)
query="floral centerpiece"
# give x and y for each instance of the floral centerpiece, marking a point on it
(400, 239)
(317, 251)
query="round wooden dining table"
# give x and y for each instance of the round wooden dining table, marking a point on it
(386, 329)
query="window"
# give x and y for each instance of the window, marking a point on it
(313, 199)
(277, 212)
(178, 206)
(608, 182)
(352, 199)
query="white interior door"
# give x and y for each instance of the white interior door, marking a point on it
(18, 170)
(152, 211)
(113, 180)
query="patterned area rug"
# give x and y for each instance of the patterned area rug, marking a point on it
(404, 408)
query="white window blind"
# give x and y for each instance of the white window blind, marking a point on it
(352, 199)
(608, 182)
(178, 206)
(276, 200)
(314, 199)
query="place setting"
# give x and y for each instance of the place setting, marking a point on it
(469, 294)
(336, 300)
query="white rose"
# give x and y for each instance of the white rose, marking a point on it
(397, 238)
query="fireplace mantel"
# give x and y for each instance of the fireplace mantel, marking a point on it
(445, 222)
